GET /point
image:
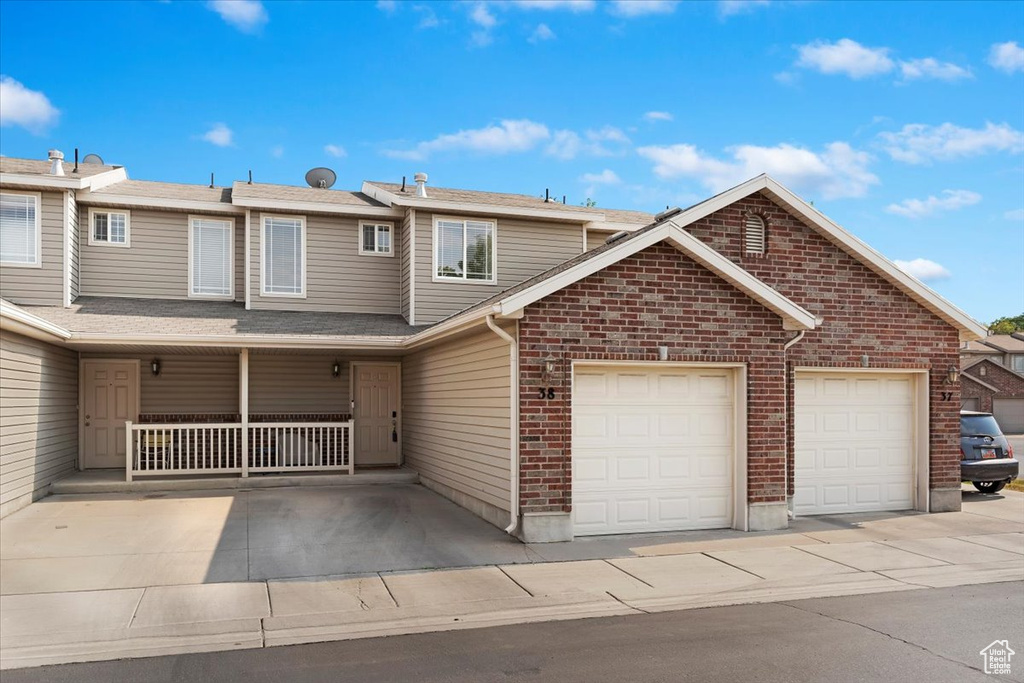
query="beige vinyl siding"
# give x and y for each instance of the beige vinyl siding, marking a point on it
(456, 420)
(524, 248)
(239, 258)
(297, 384)
(406, 260)
(38, 418)
(74, 241)
(338, 278)
(42, 286)
(155, 266)
(190, 384)
(596, 238)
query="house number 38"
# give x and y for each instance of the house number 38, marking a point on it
(546, 392)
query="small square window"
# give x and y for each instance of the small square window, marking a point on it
(109, 227)
(375, 239)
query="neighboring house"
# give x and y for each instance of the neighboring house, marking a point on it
(993, 388)
(1009, 347)
(558, 370)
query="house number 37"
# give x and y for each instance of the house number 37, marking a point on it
(546, 392)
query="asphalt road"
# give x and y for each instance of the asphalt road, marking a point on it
(929, 635)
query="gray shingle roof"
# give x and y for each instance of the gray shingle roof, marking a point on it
(243, 190)
(153, 317)
(1005, 342)
(146, 189)
(33, 167)
(446, 194)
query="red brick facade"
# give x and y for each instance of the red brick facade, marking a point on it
(1008, 383)
(660, 297)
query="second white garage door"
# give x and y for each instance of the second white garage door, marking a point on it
(653, 449)
(855, 446)
(1009, 413)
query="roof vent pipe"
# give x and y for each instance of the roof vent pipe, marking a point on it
(421, 184)
(56, 159)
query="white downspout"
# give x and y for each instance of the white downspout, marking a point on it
(818, 320)
(513, 355)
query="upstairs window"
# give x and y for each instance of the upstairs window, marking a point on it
(210, 269)
(1017, 362)
(283, 251)
(375, 238)
(464, 250)
(754, 241)
(20, 230)
(109, 227)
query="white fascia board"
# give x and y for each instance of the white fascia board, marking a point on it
(794, 317)
(378, 193)
(970, 329)
(16, 320)
(237, 341)
(316, 207)
(97, 198)
(44, 181)
(101, 180)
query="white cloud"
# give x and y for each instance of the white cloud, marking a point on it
(639, 8)
(930, 68)
(336, 151)
(1015, 215)
(951, 200)
(219, 135)
(728, 8)
(1008, 57)
(428, 17)
(657, 116)
(570, 5)
(507, 137)
(388, 6)
(247, 16)
(482, 17)
(918, 143)
(541, 33)
(787, 78)
(277, 151)
(567, 144)
(605, 177)
(20, 106)
(923, 269)
(837, 171)
(845, 57)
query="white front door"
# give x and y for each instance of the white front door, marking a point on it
(855, 447)
(653, 448)
(376, 414)
(110, 391)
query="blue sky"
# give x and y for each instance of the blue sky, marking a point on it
(901, 121)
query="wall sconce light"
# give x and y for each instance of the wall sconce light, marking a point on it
(336, 369)
(952, 375)
(154, 365)
(549, 368)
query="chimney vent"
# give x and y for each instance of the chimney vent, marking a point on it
(56, 157)
(421, 184)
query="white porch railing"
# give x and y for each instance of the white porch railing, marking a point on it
(162, 449)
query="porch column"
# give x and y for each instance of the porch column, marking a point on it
(243, 406)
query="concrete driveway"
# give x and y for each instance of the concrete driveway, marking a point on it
(95, 542)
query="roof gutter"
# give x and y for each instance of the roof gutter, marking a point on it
(15, 320)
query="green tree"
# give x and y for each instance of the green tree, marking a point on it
(1007, 325)
(590, 203)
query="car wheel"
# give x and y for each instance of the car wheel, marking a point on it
(989, 486)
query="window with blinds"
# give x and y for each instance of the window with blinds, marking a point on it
(211, 269)
(109, 227)
(284, 257)
(19, 230)
(375, 238)
(754, 238)
(464, 250)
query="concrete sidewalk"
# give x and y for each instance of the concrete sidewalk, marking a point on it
(983, 544)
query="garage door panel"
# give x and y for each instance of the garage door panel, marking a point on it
(854, 443)
(652, 449)
(1009, 413)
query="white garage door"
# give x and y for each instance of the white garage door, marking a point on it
(652, 449)
(1009, 413)
(855, 447)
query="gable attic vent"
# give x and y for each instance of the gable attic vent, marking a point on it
(754, 235)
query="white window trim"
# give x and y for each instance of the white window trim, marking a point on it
(263, 257)
(362, 246)
(105, 243)
(464, 280)
(38, 263)
(231, 258)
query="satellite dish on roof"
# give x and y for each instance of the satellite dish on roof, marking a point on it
(320, 177)
(93, 159)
